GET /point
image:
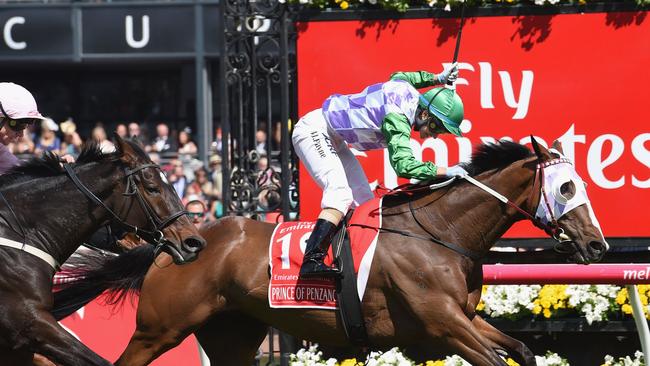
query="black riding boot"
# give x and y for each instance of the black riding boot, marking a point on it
(317, 245)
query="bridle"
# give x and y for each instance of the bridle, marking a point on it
(563, 245)
(154, 235)
(552, 228)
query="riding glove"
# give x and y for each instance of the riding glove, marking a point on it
(449, 75)
(456, 171)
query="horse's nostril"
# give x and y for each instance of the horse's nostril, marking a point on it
(597, 246)
(193, 244)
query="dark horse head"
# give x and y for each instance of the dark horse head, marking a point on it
(58, 206)
(47, 209)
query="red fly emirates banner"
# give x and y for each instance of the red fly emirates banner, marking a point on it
(579, 78)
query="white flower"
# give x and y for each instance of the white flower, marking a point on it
(509, 300)
(593, 301)
(551, 359)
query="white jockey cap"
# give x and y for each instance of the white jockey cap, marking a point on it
(18, 102)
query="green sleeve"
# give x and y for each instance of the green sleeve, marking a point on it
(419, 79)
(397, 131)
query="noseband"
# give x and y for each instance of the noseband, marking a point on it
(153, 236)
(564, 244)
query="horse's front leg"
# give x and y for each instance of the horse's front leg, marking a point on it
(515, 348)
(461, 337)
(40, 333)
(443, 314)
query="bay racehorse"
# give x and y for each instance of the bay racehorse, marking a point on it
(420, 296)
(47, 209)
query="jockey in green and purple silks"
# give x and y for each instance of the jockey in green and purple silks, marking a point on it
(381, 116)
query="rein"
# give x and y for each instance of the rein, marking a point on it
(553, 229)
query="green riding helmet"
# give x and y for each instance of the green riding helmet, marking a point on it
(446, 105)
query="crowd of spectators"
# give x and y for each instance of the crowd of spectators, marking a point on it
(198, 185)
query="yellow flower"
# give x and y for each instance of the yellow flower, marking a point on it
(644, 299)
(621, 297)
(537, 309)
(349, 362)
(435, 363)
(512, 362)
(344, 5)
(626, 308)
(546, 303)
(480, 306)
(547, 313)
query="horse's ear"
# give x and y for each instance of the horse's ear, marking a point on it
(540, 151)
(557, 145)
(128, 153)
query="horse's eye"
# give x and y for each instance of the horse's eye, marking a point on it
(151, 188)
(568, 190)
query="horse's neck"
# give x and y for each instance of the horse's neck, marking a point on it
(481, 219)
(57, 217)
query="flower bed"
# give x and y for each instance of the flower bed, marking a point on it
(393, 357)
(595, 302)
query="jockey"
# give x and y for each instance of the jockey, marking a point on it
(17, 111)
(380, 116)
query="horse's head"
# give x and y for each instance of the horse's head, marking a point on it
(565, 208)
(151, 208)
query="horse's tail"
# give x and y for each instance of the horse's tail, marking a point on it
(89, 275)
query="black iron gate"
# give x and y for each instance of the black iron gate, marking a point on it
(257, 107)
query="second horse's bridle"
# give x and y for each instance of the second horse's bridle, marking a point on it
(152, 236)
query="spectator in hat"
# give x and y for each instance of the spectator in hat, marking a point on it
(216, 174)
(48, 140)
(71, 140)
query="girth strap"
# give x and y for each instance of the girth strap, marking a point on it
(452, 246)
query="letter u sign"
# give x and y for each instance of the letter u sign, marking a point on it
(130, 40)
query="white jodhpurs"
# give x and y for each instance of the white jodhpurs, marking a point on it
(330, 163)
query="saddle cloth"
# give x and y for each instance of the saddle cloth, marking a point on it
(286, 248)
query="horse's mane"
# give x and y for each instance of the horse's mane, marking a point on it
(497, 155)
(488, 156)
(49, 164)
